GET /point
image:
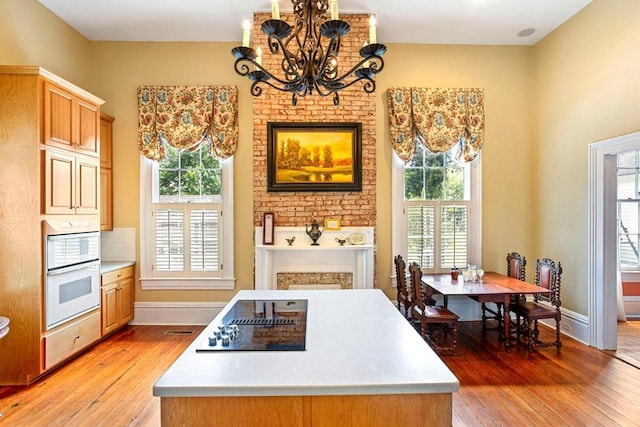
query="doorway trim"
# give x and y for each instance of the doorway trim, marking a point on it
(602, 257)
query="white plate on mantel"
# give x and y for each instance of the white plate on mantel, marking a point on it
(4, 322)
(357, 238)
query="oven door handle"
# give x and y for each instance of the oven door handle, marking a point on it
(83, 266)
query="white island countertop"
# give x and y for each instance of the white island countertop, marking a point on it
(357, 343)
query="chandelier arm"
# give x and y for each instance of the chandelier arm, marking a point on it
(376, 64)
(294, 65)
(241, 66)
(301, 89)
(255, 89)
(369, 85)
(328, 69)
(289, 66)
(329, 91)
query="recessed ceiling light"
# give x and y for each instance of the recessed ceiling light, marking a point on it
(526, 32)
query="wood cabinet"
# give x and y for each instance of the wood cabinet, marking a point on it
(41, 162)
(70, 338)
(70, 121)
(70, 183)
(118, 294)
(106, 172)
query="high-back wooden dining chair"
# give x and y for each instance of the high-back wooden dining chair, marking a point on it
(404, 296)
(438, 325)
(544, 306)
(516, 268)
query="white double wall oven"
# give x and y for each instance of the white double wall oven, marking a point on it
(72, 277)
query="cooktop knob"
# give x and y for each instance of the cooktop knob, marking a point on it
(226, 340)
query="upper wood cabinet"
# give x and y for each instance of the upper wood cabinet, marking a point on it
(106, 140)
(70, 183)
(70, 121)
(106, 175)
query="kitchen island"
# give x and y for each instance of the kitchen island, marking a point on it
(362, 364)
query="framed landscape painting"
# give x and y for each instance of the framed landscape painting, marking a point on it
(314, 157)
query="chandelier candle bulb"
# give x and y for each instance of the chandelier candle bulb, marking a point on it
(366, 63)
(334, 10)
(275, 9)
(372, 30)
(246, 33)
(259, 58)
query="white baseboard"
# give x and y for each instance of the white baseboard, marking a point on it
(175, 313)
(573, 324)
(632, 308)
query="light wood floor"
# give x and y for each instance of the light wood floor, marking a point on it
(111, 384)
(629, 342)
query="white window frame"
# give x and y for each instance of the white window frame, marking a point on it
(148, 280)
(398, 218)
(631, 275)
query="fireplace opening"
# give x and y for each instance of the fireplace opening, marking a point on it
(309, 281)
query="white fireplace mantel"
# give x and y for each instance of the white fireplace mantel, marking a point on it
(301, 257)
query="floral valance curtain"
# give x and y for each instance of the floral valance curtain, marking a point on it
(186, 117)
(438, 118)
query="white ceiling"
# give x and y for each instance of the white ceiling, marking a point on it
(399, 21)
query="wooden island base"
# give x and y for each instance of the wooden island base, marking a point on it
(434, 409)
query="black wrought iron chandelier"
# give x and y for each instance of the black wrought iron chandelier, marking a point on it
(307, 65)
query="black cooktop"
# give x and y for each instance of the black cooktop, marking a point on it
(260, 325)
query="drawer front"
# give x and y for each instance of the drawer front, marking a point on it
(70, 339)
(114, 276)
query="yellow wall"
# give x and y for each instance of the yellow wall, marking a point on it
(32, 35)
(543, 106)
(587, 89)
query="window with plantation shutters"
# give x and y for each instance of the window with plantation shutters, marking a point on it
(437, 212)
(193, 247)
(437, 234)
(186, 234)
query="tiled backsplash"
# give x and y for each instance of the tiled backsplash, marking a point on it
(118, 245)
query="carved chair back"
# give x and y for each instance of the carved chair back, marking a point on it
(401, 278)
(548, 276)
(516, 264)
(415, 273)
(403, 298)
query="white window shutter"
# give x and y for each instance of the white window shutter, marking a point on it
(169, 236)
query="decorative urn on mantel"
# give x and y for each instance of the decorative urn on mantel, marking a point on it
(314, 233)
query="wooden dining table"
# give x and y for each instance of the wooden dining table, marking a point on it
(494, 287)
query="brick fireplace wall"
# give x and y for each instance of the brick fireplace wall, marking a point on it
(299, 208)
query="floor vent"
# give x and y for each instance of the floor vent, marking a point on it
(262, 322)
(178, 332)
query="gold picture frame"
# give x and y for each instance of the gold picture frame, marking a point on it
(314, 156)
(332, 223)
